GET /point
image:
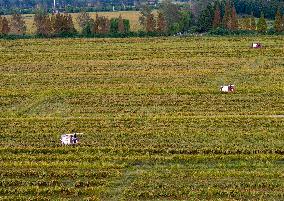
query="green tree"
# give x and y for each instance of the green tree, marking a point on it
(261, 24)
(277, 22)
(198, 6)
(175, 28)
(114, 25)
(205, 19)
(126, 23)
(185, 21)
(87, 29)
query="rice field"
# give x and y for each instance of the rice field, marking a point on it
(155, 124)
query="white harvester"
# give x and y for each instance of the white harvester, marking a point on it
(256, 45)
(228, 88)
(70, 139)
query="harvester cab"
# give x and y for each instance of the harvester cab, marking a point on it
(228, 88)
(70, 139)
(256, 45)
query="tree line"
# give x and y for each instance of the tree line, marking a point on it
(244, 7)
(62, 25)
(204, 16)
(169, 19)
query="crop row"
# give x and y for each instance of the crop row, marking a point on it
(52, 191)
(168, 134)
(206, 194)
(154, 181)
(261, 173)
(68, 172)
(179, 180)
(91, 105)
(51, 182)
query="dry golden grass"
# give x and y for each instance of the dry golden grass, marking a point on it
(133, 17)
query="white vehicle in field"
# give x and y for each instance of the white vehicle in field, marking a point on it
(256, 45)
(69, 139)
(228, 88)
